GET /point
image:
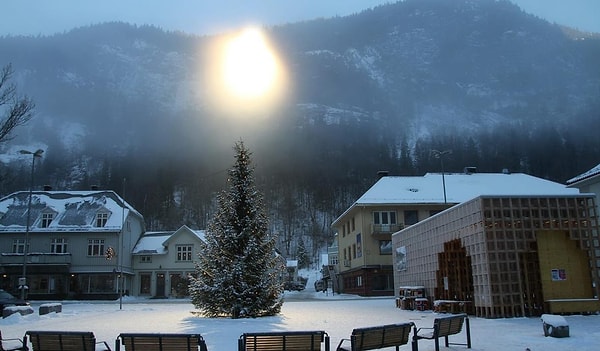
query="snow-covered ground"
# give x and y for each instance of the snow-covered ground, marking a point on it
(335, 314)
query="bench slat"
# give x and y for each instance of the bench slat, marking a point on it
(444, 327)
(290, 341)
(62, 341)
(161, 342)
(381, 336)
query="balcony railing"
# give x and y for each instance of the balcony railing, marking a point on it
(35, 258)
(386, 228)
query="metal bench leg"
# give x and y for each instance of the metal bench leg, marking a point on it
(415, 343)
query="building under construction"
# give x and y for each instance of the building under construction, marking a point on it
(505, 256)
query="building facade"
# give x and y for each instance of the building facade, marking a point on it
(163, 262)
(364, 231)
(588, 182)
(72, 244)
(506, 256)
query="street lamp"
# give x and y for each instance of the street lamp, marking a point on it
(23, 280)
(440, 155)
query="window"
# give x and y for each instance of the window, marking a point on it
(333, 259)
(384, 217)
(184, 252)
(145, 259)
(411, 217)
(96, 283)
(58, 245)
(46, 219)
(18, 246)
(95, 247)
(385, 247)
(101, 219)
(353, 224)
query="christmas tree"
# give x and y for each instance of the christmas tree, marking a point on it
(238, 272)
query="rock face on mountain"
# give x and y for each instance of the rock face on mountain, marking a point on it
(376, 90)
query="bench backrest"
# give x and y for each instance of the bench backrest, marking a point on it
(161, 342)
(380, 336)
(281, 341)
(62, 340)
(445, 326)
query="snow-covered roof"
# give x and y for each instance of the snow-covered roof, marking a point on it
(155, 243)
(151, 243)
(460, 187)
(71, 210)
(585, 175)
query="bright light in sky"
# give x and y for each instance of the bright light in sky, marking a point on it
(245, 73)
(249, 66)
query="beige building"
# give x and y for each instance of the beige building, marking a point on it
(364, 231)
(506, 256)
(162, 262)
(75, 243)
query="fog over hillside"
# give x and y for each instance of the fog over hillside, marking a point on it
(373, 91)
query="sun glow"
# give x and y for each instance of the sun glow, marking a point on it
(249, 68)
(244, 75)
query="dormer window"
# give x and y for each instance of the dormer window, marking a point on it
(46, 220)
(101, 219)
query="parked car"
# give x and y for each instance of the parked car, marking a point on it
(321, 285)
(297, 286)
(7, 299)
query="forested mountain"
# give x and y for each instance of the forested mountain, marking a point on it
(373, 91)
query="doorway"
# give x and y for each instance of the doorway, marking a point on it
(160, 285)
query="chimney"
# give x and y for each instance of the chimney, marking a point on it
(505, 171)
(47, 187)
(381, 174)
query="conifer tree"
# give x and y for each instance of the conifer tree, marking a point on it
(303, 259)
(238, 270)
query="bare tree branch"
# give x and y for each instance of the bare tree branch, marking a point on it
(15, 111)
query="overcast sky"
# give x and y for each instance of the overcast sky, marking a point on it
(46, 17)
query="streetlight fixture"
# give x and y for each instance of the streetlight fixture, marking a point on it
(440, 155)
(23, 280)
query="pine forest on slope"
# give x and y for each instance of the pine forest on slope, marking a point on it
(373, 91)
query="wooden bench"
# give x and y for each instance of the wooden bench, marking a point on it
(65, 341)
(11, 344)
(160, 342)
(284, 341)
(444, 326)
(378, 337)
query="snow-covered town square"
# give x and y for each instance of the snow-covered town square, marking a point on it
(302, 310)
(299, 175)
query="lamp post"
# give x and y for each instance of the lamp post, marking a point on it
(23, 280)
(121, 283)
(440, 155)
